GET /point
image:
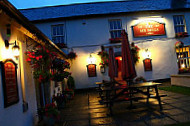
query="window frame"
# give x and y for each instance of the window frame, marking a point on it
(179, 25)
(63, 35)
(114, 30)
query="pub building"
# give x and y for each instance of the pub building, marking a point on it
(18, 91)
(160, 29)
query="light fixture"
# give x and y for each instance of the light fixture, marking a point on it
(15, 48)
(146, 54)
(147, 60)
(183, 66)
(91, 60)
(102, 69)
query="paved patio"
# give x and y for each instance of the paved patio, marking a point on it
(85, 110)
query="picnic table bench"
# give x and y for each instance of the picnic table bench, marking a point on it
(127, 93)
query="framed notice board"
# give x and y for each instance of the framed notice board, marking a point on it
(10, 86)
(91, 69)
(147, 64)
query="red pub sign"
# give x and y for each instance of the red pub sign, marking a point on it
(10, 87)
(148, 28)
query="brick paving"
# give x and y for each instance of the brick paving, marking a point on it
(85, 110)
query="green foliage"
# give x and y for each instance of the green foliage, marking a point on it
(135, 52)
(104, 58)
(177, 89)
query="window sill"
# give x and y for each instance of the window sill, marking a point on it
(181, 35)
(186, 70)
(115, 40)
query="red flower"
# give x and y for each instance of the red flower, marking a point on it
(37, 58)
(28, 59)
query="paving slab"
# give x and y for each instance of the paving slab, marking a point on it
(85, 110)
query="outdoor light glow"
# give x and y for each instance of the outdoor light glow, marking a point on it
(146, 54)
(15, 52)
(7, 53)
(91, 60)
(138, 20)
(120, 58)
(183, 65)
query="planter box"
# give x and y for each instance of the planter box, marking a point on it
(115, 40)
(180, 80)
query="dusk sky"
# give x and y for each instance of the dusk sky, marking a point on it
(21, 4)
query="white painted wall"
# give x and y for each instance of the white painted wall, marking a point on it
(96, 32)
(13, 115)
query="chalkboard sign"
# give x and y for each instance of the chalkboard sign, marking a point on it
(91, 69)
(10, 86)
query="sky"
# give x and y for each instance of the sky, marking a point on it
(22, 4)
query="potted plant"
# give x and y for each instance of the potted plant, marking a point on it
(140, 79)
(51, 114)
(179, 44)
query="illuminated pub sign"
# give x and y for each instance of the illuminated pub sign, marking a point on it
(148, 28)
(10, 87)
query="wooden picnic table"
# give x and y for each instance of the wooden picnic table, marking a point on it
(143, 88)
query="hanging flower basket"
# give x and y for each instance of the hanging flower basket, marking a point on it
(59, 68)
(104, 58)
(72, 55)
(181, 34)
(135, 52)
(179, 44)
(40, 60)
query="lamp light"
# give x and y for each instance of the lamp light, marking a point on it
(146, 54)
(91, 60)
(183, 66)
(15, 48)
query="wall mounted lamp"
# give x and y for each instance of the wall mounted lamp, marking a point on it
(91, 60)
(15, 48)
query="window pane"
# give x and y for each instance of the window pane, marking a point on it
(181, 20)
(54, 30)
(182, 29)
(119, 24)
(111, 25)
(112, 34)
(115, 25)
(62, 39)
(119, 34)
(175, 20)
(58, 30)
(61, 29)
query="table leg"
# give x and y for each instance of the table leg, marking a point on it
(148, 95)
(158, 97)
